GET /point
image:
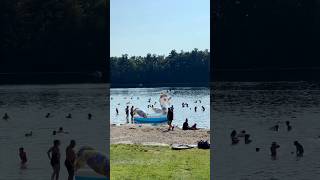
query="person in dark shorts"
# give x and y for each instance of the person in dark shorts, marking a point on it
(54, 156)
(23, 157)
(170, 118)
(70, 159)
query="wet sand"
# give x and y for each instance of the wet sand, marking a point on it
(155, 135)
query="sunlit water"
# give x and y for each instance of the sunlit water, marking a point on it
(255, 107)
(27, 107)
(138, 97)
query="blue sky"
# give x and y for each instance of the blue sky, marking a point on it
(138, 27)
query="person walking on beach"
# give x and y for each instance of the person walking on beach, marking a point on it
(70, 159)
(170, 118)
(299, 149)
(273, 149)
(23, 158)
(54, 156)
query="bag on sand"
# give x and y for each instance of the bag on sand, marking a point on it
(203, 145)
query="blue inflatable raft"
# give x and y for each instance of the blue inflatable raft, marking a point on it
(151, 119)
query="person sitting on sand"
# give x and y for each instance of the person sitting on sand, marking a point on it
(299, 149)
(273, 149)
(5, 117)
(23, 157)
(194, 127)
(185, 125)
(289, 127)
(69, 116)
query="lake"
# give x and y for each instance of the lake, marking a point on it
(138, 97)
(27, 106)
(255, 107)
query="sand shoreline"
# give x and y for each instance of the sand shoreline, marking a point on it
(147, 134)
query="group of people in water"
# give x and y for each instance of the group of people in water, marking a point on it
(274, 145)
(53, 152)
(54, 157)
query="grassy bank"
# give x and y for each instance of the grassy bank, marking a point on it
(158, 162)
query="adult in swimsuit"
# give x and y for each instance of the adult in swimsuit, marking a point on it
(70, 159)
(55, 159)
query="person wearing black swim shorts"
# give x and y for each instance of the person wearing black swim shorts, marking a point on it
(54, 156)
(70, 159)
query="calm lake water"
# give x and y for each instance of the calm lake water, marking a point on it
(255, 107)
(27, 107)
(138, 97)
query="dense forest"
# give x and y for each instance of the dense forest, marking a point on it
(189, 68)
(266, 39)
(65, 37)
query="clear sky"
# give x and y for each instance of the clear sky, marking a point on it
(138, 27)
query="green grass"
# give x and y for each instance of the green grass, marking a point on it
(138, 162)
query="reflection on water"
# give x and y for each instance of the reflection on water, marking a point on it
(27, 107)
(255, 107)
(138, 97)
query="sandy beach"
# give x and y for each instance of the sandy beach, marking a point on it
(155, 135)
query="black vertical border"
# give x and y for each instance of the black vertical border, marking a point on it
(107, 68)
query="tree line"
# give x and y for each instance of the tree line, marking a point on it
(178, 67)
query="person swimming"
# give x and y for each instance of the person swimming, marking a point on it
(47, 115)
(69, 116)
(273, 149)
(275, 128)
(299, 149)
(6, 116)
(23, 157)
(234, 139)
(28, 134)
(242, 134)
(62, 131)
(246, 139)
(54, 156)
(289, 127)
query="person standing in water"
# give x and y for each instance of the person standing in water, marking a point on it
(23, 158)
(170, 118)
(70, 159)
(299, 149)
(89, 116)
(131, 113)
(54, 156)
(117, 111)
(273, 149)
(289, 127)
